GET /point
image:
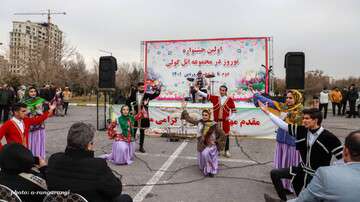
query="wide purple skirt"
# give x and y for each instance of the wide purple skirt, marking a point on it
(286, 156)
(122, 153)
(208, 160)
(37, 143)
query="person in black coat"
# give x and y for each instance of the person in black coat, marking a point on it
(16, 163)
(139, 100)
(45, 93)
(78, 171)
(344, 100)
(353, 95)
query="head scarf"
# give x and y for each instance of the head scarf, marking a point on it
(206, 124)
(124, 123)
(294, 112)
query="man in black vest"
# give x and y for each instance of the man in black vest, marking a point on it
(139, 100)
(316, 146)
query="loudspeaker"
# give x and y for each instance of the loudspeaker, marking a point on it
(295, 70)
(107, 69)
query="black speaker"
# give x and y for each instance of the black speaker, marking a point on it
(107, 70)
(295, 70)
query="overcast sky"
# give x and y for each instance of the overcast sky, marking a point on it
(326, 30)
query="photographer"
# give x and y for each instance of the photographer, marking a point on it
(16, 163)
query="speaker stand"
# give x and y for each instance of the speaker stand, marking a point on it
(107, 94)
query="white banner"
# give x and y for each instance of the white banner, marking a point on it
(249, 121)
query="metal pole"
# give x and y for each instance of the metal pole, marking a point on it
(97, 109)
(105, 94)
(110, 104)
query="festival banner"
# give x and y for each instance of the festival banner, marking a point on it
(246, 122)
(165, 117)
(234, 62)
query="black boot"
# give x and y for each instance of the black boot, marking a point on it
(142, 150)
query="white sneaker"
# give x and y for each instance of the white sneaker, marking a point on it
(227, 154)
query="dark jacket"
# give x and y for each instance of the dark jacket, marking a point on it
(353, 95)
(16, 159)
(145, 122)
(81, 173)
(344, 96)
(7, 97)
(45, 93)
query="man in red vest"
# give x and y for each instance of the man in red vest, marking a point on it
(223, 106)
(17, 128)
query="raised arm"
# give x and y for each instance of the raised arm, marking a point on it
(154, 95)
(185, 115)
(263, 99)
(39, 119)
(202, 94)
(276, 120)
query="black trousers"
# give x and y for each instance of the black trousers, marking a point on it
(276, 176)
(325, 107)
(142, 136)
(343, 107)
(227, 145)
(352, 108)
(334, 105)
(66, 106)
(4, 112)
(122, 198)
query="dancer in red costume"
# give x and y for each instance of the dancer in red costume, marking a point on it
(17, 128)
(223, 106)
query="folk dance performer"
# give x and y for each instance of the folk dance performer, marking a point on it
(35, 106)
(316, 146)
(286, 154)
(136, 102)
(17, 128)
(223, 106)
(122, 132)
(211, 140)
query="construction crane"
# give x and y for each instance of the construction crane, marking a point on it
(49, 13)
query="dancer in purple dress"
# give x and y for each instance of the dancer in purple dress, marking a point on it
(123, 134)
(37, 134)
(286, 154)
(211, 140)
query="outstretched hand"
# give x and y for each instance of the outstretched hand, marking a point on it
(146, 101)
(263, 107)
(52, 107)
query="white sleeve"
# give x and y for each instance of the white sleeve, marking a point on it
(279, 122)
(202, 94)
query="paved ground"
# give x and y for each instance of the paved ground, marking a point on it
(169, 172)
